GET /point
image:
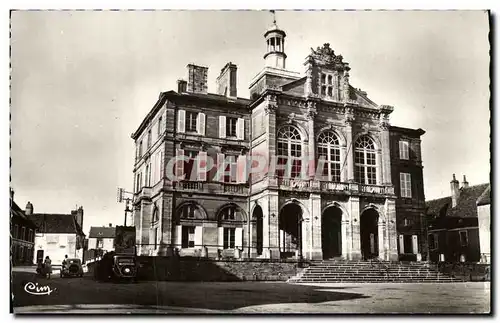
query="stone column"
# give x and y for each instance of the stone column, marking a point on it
(355, 237)
(311, 158)
(344, 228)
(315, 224)
(270, 108)
(386, 152)
(381, 239)
(392, 234)
(349, 162)
(273, 226)
(380, 170)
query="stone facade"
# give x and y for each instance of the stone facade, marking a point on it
(339, 195)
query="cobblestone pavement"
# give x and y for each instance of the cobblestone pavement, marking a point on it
(248, 297)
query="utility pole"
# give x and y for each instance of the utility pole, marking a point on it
(124, 196)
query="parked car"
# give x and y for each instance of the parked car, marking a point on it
(116, 267)
(72, 268)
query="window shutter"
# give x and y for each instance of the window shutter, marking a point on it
(200, 124)
(181, 121)
(162, 165)
(198, 236)
(402, 183)
(238, 238)
(222, 127)
(221, 238)
(401, 244)
(178, 236)
(240, 129)
(220, 168)
(408, 185)
(241, 174)
(179, 171)
(415, 243)
(202, 166)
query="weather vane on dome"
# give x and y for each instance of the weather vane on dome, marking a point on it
(274, 16)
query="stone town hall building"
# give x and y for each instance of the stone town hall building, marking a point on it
(368, 202)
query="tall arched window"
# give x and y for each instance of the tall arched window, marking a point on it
(289, 151)
(329, 151)
(365, 161)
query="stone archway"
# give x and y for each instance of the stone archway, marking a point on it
(258, 229)
(369, 234)
(331, 232)
(290, 231)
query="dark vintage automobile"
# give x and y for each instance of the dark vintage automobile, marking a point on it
(72, 268)
(116, 267)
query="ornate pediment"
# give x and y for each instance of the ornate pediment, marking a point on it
(327, 56)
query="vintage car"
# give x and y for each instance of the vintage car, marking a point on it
(114, 266)
(72, 268)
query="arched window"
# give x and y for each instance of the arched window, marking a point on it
(289, 151)
(329, 151)
(365, 161)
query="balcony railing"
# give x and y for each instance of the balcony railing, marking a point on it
(234, 188)
(323, 186)
(212, 187)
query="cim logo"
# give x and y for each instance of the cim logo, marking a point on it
(34, 289)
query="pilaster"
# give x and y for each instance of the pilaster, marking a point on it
(348, 121)
(316, 252)
(355, 237)
(392, 235)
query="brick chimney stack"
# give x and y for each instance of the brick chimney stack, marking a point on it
(197, 79)
(110, 225)
(181, 86)
(29, 208)
(455, 191)
(226, 82)
(465, 184)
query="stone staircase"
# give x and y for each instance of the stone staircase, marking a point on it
(346, 271)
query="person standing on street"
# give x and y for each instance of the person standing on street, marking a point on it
(48, 266)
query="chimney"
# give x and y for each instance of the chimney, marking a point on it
(226, 82)
(465, 184)
(110, 225)
(79, 216)
(181, 86)
(29, 208)
(197, 79)
(455, 191)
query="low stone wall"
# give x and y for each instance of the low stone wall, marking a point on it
(466, 271)
(200, 269)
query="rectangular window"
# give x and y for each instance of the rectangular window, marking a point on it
(433, 241)
(191, 118)
(229, 238)
(231, 126)
(160, 125)
(15, 233)
(405, 182)
(187, 237)
(149, 138)
(100, 243)
(140, 149)
(464, 241)
(23, 233)
(323, 78)
(190, 165)
(403, 149)
(231, 169)
(30, 237)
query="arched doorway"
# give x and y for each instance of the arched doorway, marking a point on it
(369, 234)
(258, 229)
(290, 230)
(331, 234)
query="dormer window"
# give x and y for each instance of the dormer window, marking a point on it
(326, 85)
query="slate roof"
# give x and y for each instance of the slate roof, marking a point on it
(485, 198)
(466, 205)
(56, 223)
(102, 232)
(16, 211)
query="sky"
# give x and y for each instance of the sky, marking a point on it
(81, 83)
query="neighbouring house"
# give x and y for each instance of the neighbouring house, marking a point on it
(22, 235)
(102, 238)
(454, 232)
(483, 217)
(57, 235)
(351, 186)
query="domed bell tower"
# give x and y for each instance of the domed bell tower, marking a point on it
(275, 38)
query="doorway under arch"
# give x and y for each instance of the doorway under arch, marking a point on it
(290, 230)
(258, 229)
(369, 234)
(331, 233)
